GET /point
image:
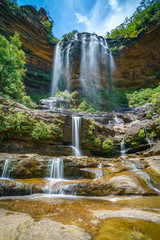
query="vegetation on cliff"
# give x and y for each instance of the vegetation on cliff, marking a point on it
(148, 11)
(14, 123)
(12, 70)
(137, 98)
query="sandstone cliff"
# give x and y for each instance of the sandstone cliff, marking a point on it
(39, 51)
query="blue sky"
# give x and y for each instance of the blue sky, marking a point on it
(96, 16)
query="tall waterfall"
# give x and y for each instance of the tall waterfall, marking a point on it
(96, 62)
(76, 124)
(58, 64)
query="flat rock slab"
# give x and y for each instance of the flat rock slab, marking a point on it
(21, 226)
(128, 213)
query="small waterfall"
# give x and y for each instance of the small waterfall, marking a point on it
(116, 119)
(5, 173)
(145, 176)
(147, 139)
(76, 124)
(56, 168)
(57, 68)
(123, 151)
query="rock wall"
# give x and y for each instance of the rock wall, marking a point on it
(33, 35)
(137, 63)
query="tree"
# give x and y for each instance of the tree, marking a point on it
(12, 71)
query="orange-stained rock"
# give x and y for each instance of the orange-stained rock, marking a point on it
(33, 35)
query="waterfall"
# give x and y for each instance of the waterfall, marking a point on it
(95, 60)
(56, 168)
(67, 65)
(57, 68)
(122, 148)
(5, 173)
(76, 124)
(147, 139)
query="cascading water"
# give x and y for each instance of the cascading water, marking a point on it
(76, 124)
(95, 61)
(56, 172)
(147, 139)
(56, 168)
(123, 151)
(57, 68)
(5, 173)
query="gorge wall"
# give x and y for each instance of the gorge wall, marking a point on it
(137, 63)
(33, 35)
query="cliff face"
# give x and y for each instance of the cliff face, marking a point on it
(33, 35)
(136, 65)
(139, 64)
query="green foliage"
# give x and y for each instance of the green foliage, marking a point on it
(21, 124)
(91, 129)
(115, 96)
(52, 39)
(148, 11)
(88, 107)
(97, 142)
(47, 25)
(42, 130)
(36, 97)
(70, 97)
(108, 145)
(12, 5)
(156, 100)
(149, 115)
(143, 96)
(141, 133)
(12, 71)
(132, 142)
(68, 35)
(153, 134)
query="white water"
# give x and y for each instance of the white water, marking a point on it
(123, 151)
(56, 168)
(147, 139)
(57, 68)
(145, 176)
(116, 119)
(95, 55)
(76, 124)
(5, 173)
(67, 65)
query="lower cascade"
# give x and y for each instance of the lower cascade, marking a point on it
(56, 168)
(5, 173)
(76, 125)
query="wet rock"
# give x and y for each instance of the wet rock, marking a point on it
(155, 150)
(128, 213)
(12, 187)
(22, 226)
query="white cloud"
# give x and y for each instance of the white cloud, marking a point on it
(101, 19)
(82, 19)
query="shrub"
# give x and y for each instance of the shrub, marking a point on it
(149, 115)
(97, 142)
(108, 145)
(141, 133)
(21, 124)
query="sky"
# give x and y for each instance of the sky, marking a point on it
(98, 16)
